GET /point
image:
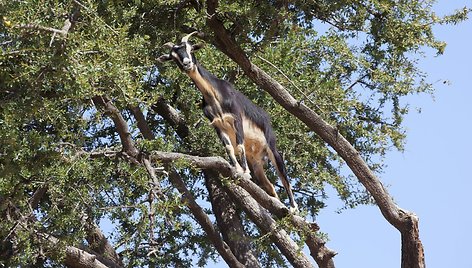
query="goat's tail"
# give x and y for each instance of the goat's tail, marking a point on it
(279, 165)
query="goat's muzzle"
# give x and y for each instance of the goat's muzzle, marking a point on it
(187, 64)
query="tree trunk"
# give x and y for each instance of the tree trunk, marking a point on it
(229, 222)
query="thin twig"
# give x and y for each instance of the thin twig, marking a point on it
(291, 82)
(99, 18)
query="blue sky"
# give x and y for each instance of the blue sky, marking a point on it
(432, 177)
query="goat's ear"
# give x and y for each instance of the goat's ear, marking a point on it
(197, 46)
(164, 58)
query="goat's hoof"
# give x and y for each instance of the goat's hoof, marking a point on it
(239, 171)
(246, 175)
(294, 209)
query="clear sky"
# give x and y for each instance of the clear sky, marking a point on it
(432, 177)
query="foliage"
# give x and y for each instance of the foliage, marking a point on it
(351, 61)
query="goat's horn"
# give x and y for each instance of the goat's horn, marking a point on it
(169, 45)
(185, 38)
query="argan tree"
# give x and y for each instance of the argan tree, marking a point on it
(95, 133)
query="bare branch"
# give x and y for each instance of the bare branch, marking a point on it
(75, 257)
(319, 251)
(62, 32)
(142, 124)
(255, 211)
(228, 218)
(171, 115)
(121, 125)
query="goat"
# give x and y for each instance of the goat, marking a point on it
(241, 125)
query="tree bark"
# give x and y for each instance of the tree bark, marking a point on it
(318, 250)
(256, 212)
(172, 117)
(98, 243)
(261, 217)
(404, 221)
(76, 257)
(120, 124)
(229, 222)
(203, 220)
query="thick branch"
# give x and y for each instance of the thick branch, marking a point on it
(172, 117)
(261, 217)
(210, 162)
(76, 257)
(318, 250)
(121, 125)
(322, 255)
(229, 221)
(404, 221)
(203, 219)
(98, 243)
(142, 124)
(255, 211)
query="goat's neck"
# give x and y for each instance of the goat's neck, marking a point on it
(201, 79)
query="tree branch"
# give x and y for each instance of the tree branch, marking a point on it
(405, 222)
(203, 219)
(256, 212)
(172, 117)
(120, 124)
(141, 121)
(63, 32)
(98, 243)
(318, 250)
(229, 221)
(268, 225)
(76, 257)
(322, 255)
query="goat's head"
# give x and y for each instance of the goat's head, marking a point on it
(182, 53)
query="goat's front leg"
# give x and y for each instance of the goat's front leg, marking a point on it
(224, 137)
(239, 131)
